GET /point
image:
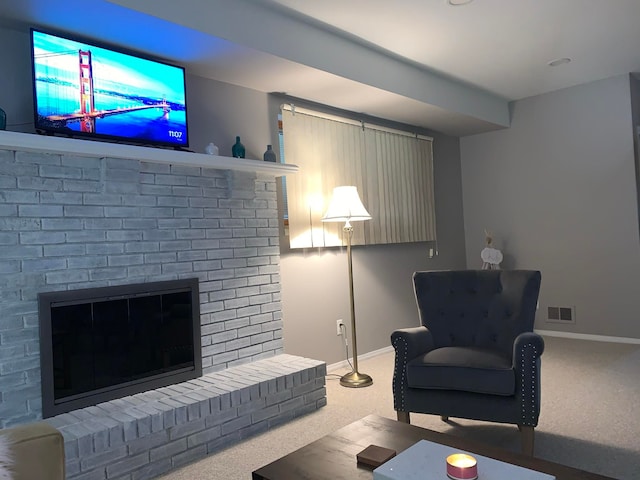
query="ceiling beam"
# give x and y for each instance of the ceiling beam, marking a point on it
(270, 28)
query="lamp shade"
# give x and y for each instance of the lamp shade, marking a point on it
(345, 206)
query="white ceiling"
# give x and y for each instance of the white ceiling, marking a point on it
(421, 62)
(502, 46)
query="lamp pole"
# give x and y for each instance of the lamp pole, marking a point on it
(353, 379)
(346, 206)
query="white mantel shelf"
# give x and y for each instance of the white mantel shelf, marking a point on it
(71, 146)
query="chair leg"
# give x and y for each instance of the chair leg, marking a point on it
(403, 417)
(526, 434)
(444, 418)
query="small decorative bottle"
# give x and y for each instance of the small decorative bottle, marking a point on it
(269, 155)
(237, 150)
(211, 149)
(3, 120)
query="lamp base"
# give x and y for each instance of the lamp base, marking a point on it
(356, 380)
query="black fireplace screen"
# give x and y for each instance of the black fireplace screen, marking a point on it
(104, 343)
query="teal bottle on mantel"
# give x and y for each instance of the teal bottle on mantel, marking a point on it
(237, 150)
(3, 120)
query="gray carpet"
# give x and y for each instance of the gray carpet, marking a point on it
(590, 415)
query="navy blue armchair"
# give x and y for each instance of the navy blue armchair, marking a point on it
(475, 354)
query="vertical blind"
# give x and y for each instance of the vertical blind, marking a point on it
(392, 170)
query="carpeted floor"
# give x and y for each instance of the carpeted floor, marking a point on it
(590, 415)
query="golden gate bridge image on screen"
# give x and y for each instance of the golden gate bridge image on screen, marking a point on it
(88, 114)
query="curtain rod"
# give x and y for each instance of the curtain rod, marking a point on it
(294, 109)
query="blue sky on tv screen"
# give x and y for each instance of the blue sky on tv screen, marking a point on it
(56, 59)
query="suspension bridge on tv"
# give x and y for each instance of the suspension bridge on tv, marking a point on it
(87, 113)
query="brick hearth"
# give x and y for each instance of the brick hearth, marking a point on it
(147, 434)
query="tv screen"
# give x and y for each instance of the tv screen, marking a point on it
(85, 90)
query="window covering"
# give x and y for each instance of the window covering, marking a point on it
(392, 170)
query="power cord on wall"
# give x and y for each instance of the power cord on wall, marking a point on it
(343, 329)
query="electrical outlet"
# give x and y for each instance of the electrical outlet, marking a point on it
(339, 326)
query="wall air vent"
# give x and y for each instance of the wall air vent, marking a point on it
(561, 314)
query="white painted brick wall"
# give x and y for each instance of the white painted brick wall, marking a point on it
(70, 222)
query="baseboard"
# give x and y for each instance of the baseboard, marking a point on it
(375, 353)
(586, 336)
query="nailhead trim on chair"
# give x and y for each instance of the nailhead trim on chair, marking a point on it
(403, 372)
(523, 360)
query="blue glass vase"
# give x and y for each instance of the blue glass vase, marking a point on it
(3, 120)
(237, 150)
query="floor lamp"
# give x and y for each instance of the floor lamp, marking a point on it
(346, 206)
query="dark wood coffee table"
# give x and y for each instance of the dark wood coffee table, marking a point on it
(333, 457)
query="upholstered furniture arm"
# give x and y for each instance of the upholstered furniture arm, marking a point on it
(408, 344)
(37, 451)
(527, 350)
(411, 342)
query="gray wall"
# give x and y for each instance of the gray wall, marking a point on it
(16, 96)
(634, 80)
(558, 191)
(218, 112)
(314, 282)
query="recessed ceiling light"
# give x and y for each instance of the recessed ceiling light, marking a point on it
(559, 61)
(458, 3)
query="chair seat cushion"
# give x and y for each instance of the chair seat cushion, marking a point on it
(469, 369)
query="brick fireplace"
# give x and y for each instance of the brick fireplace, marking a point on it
(72, 220)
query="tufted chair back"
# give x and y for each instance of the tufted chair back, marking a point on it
(477, 308)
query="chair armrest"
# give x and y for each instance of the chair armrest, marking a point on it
(408, 343)
(37, 451)
(411, 342)
(527, 343)
(527, 350)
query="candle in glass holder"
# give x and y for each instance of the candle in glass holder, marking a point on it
(461, 466)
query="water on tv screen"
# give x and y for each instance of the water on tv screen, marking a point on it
(85, 90)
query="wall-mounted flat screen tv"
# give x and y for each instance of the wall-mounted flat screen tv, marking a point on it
(84, 90)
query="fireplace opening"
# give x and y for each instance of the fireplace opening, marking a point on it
(99, 344)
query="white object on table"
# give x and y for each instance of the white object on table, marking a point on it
(427, 459)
